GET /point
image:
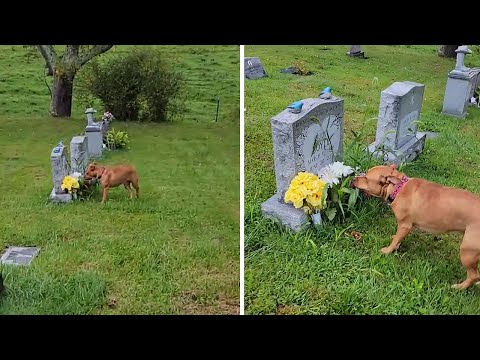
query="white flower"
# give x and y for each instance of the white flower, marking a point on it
(332, 173)
(326, 174)
(76, 175)
(104, 146)
(340, 169)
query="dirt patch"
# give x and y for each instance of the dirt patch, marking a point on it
(223, 305)
(286, 310)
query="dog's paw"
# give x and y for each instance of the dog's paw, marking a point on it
(460, 286)
(385, 250)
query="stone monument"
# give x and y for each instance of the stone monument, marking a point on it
(303, 141)
(397, 138)
(461, 85)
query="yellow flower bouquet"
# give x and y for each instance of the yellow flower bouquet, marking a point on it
(70, 184)
(308, 192)
(73, 184)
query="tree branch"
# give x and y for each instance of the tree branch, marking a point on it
(90, 54)
(50, 56)
(71, 53)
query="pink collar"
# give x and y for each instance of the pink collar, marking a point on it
(397, 189)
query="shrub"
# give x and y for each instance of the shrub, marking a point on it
(139, 86)
(116, 139)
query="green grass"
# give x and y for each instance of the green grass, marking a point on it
(329, 272)
(175, 250)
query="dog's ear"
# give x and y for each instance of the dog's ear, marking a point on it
(393, 180)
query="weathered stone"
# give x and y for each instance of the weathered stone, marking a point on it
(16, 255)
(95, 141)
(458, 92)
(474, 75)
(461, 85)
(356, 51)
(407, 153)
(396, 138)
(304, 141)
(60, 169)
(253, 68)
(276, 209)
(79, 154)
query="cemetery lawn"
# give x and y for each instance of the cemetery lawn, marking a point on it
(327, 271)
(175, 250)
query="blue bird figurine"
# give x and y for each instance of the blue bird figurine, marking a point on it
(296, 107)
(326, 93)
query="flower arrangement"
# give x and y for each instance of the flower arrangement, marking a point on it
(76, 185)
(307, 191)
(340, 195)
(107, 116)
(329, 192)
(71, 184)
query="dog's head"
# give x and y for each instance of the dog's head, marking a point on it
(379, 180)
(93, 171)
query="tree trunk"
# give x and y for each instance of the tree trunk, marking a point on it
(61, 105)
(64, 69)
(448, 51)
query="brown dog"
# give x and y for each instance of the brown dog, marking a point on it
(429, 207)
(113, 176)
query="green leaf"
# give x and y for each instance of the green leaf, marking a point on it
(344, 191)
(352, 199)
(335, 196)
(340, 205)
(344, 183)
(325, 195)
(331, 213)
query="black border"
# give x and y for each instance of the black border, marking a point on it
(241, 23)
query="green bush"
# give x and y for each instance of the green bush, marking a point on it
(139, 86)
(116, 139)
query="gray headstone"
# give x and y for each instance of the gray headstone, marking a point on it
(94, 133)
(356, 51)
(305, 141)
(474, 75)
(461, 85)
(95, 141)
(254, 68)
(16, 255)
(60, 169)
(460, 88)
(105, 127)
(400, 106)
(79, 153)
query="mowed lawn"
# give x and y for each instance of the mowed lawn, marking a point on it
(175, 250)
(328, 271)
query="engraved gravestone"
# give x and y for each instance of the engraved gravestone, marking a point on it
(474, 74)
(254, 68)
(60, 169)
(17, 255)
(305, 141)
(397, 138)
(79, 153)
(94, 134)
(461, 85)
